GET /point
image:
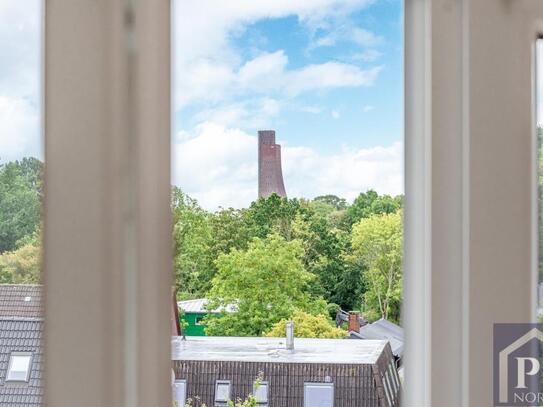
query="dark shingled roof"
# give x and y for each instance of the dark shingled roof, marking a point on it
(21, 335)
(23, 301)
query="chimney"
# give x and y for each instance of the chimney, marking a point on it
(354, 321)
(175, 324)
(290, 335)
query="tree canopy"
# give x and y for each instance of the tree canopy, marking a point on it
(20, 201)
(266, 283)
(308, 326)
(22, 265)
(276, 259)
(377, 247)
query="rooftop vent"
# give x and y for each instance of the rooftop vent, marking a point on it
(290, 335)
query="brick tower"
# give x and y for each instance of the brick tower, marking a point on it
(270, 174)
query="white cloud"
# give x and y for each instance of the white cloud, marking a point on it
(364, 38)
(335, 114)
(207, 67)
(20, 41)
(268, 73)
(348, 33)
(346, 174)
(369, 55)
(218, 166)
(367, 108)
(329, 75)
(19, 129)
(251, 113)
(207, 80)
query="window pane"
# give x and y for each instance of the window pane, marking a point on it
(287, 173)
(319, 395)
(222, 392)
(180, 392)
(21, 193)
(261, 393)
(19, 366)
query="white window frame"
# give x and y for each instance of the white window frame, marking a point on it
(222, 402)
(255, 390)
(326, 385)
(174, 393)
(107, 149)
(107, 237)
(470, 251)
(12, 357)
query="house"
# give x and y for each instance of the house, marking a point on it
(193, 314)
(21, 350)
(382, 330)
(317, 372)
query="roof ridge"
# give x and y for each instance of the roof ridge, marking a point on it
(16, 318)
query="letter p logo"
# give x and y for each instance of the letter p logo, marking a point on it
(521, 371)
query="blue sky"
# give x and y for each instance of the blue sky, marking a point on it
(327, 75)
(326, 119)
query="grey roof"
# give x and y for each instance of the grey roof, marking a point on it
(249, 349)
(21, 301)
(21, 335)
(383, 330)
(199, 306)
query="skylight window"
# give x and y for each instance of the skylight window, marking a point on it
(261, 394)
(19, 367)
(222, 392)
(318, 394)
(180, 392)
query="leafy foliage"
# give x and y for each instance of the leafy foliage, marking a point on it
(371, 203)
(23, 265)
(316, 250)
(377, 247)
(267, 283)
(20, 201)
(192, 237)
(308, 326)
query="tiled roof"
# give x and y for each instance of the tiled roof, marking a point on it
(21, 335)
(24, 301)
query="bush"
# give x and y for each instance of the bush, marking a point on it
(308, 326)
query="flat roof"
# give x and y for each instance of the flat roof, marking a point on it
(199, 306)
(249, 349)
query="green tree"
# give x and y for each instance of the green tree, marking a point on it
(20, 201)
(192, 233)
(272, 215)
(23, 265)
(322, 253)
(230, 229)
(377, 246)
(371, 203)
(267, 283)
(308, 326)
(332, 200)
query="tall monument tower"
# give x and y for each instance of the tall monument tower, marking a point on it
(270, 174)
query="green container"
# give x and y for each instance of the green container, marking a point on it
(195, 326)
